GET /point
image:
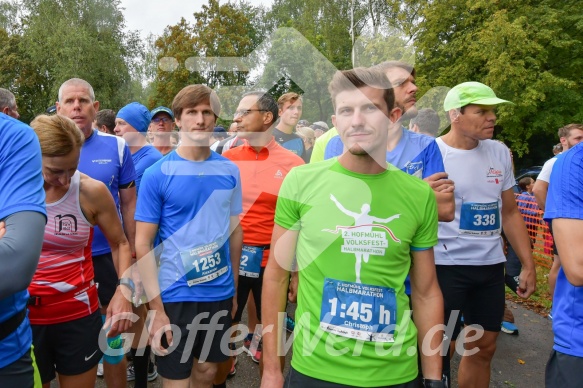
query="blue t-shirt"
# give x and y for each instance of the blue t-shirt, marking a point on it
(192, 202)
(565, 200)
(416, 154)
(106, 158)
(291, 142)
(21, 189)
(144, 158)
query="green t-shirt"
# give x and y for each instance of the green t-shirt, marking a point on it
(353, 252)
(320, 145)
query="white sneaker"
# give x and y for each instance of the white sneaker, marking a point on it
(100, 369)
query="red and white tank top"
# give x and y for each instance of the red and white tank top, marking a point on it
(65, 264)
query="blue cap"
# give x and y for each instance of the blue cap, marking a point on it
(136, 115)
(159, 109)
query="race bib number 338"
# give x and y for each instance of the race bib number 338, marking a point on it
(358, 311)
(480, 219)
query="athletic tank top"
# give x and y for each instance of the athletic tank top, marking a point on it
(65, 264)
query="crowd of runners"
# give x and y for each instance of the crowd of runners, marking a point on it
(131, 250)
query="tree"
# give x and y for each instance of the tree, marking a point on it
(528, 52)
(213, 51)
(62, 39)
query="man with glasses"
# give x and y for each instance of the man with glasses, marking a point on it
(161, 126)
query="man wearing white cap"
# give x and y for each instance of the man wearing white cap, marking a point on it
(320, 128)
(469, 256)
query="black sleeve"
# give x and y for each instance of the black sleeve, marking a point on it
(20, 250)
(127, 185)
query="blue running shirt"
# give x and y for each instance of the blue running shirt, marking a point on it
(106, 158)
(191, 202)
(416, 154)
(21, 190)
(564, 200)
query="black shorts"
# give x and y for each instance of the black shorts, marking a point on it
(245, 286)
(105, 276)
(20, 373)
(295, 379)
(69, 348)
(476, 291)
(563, 371)
(205, 345)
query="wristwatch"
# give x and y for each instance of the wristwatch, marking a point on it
(427, 383)
(128, 283)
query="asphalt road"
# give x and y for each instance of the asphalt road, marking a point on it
(519, 361)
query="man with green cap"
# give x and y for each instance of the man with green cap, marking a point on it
(469, 256)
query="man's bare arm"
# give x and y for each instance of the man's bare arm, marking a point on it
(428, 310)
(540, 190)
(274, 296)
(517, 235)
(569, 239)
(128, 209)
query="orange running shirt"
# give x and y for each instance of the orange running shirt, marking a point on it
(262, 174)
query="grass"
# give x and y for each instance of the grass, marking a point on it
(540, 300)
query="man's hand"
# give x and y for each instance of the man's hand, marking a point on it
(138, 286)
(527, 283)
(159, 325)
(2, 229)
(292, 293)
(273, 379)
(119, 313)
(439, 182)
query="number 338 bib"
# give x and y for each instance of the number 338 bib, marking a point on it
(480, 219)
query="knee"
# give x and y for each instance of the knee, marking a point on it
(482, 350)
(205, 371)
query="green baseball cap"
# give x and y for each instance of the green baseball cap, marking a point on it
(471, 93)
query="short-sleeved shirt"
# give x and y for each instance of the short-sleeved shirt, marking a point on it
(480, 175)
(262, 174)
(345, 218)
(566, 201)
(106, 158)
(21, 189)
(191, 202)
(416, 154)
(320, 145)
(290, 141)
(144, 158)
(545, 173)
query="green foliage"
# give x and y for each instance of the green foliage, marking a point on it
(529, 52)
(220, 30)
(62, 39)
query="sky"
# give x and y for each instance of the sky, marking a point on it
(151, 16)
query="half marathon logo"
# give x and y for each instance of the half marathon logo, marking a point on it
(65, 225)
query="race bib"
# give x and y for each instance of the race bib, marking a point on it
(358, 311)
(250, 265)
(480, 219)
(204, 263)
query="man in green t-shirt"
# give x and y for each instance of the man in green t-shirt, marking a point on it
(356, 225)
